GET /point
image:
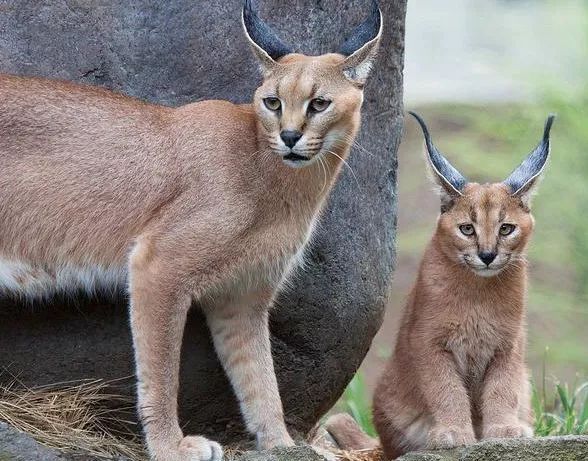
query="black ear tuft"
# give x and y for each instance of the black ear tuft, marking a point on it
(364, 33)
(261, 34)
(522, 179)
(449, 178)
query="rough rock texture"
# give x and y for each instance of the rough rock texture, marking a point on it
(16, 446)
(567, 448)
(282, 454)
(179, 51)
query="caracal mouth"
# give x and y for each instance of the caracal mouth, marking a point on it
(294, 157)
(295, 160)
(487, 272)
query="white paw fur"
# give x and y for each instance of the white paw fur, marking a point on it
(190, 448)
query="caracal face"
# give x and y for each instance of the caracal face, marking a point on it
(308, 108)
(486, 227)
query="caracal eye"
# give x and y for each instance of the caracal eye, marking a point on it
(273, 104)
(318, 104)
(507, 229)
(467, 229)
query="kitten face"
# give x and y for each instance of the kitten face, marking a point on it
(307, 108)
(486, 229)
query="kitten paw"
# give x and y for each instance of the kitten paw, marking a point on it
(268, 441)
(191, 448)
(449, 437)
(507, 431)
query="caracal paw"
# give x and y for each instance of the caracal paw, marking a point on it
(269, 441)
(449, 437)
(508, 431)
(196, 448)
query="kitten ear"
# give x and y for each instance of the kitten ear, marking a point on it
(266, 45)
(523, 181)
(450, 180)
(362, 46)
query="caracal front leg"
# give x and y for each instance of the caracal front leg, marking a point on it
(159, 306)
(505, 397)
(240, 332)
(446, 398)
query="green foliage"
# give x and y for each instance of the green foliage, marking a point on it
(560, 411)
(356, 402)
(568, 414)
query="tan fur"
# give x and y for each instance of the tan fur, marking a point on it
(457, 373)
(347, 434)
(184, 204)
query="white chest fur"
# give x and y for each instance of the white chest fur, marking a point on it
(22, 279)
(474, 341)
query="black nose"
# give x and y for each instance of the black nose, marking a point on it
(487, 258)
(290, 137)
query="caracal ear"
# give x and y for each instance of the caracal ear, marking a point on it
(266, 45)
(523, 181)
(450, 181)
(362, 46)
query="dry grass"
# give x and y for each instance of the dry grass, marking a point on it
(76, 416)
(80, 416)
(359, 455)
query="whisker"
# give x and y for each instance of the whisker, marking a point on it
(355, 143)
(346, 164)
(321, 161)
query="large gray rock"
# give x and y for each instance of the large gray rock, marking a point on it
(304, 453)
(179, 51)
(566, 448)
(18, 446)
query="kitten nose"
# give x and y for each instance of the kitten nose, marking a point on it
(487, 258)
(290, 137)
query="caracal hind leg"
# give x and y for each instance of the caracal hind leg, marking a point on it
(240, 332)
(159, 308)
(401, 425)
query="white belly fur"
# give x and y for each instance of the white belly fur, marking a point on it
(18, 278)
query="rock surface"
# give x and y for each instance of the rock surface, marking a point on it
(566, 448)
(282, 454)
(17, 446)
(179, 51)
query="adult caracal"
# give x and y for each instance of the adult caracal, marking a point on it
(210, 202)
(458, 370)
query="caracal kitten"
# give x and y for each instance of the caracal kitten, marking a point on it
(458, 371)
(209, 202)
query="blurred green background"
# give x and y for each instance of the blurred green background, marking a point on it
(485, 74)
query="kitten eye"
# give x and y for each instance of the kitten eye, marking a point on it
(507, 229)
(318, 104)
(467, 229)
(273, 104)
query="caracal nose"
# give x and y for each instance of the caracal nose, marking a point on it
(290, 137)
(487, 257)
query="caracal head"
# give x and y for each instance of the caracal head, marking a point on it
(486, 227)
(309, 106)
